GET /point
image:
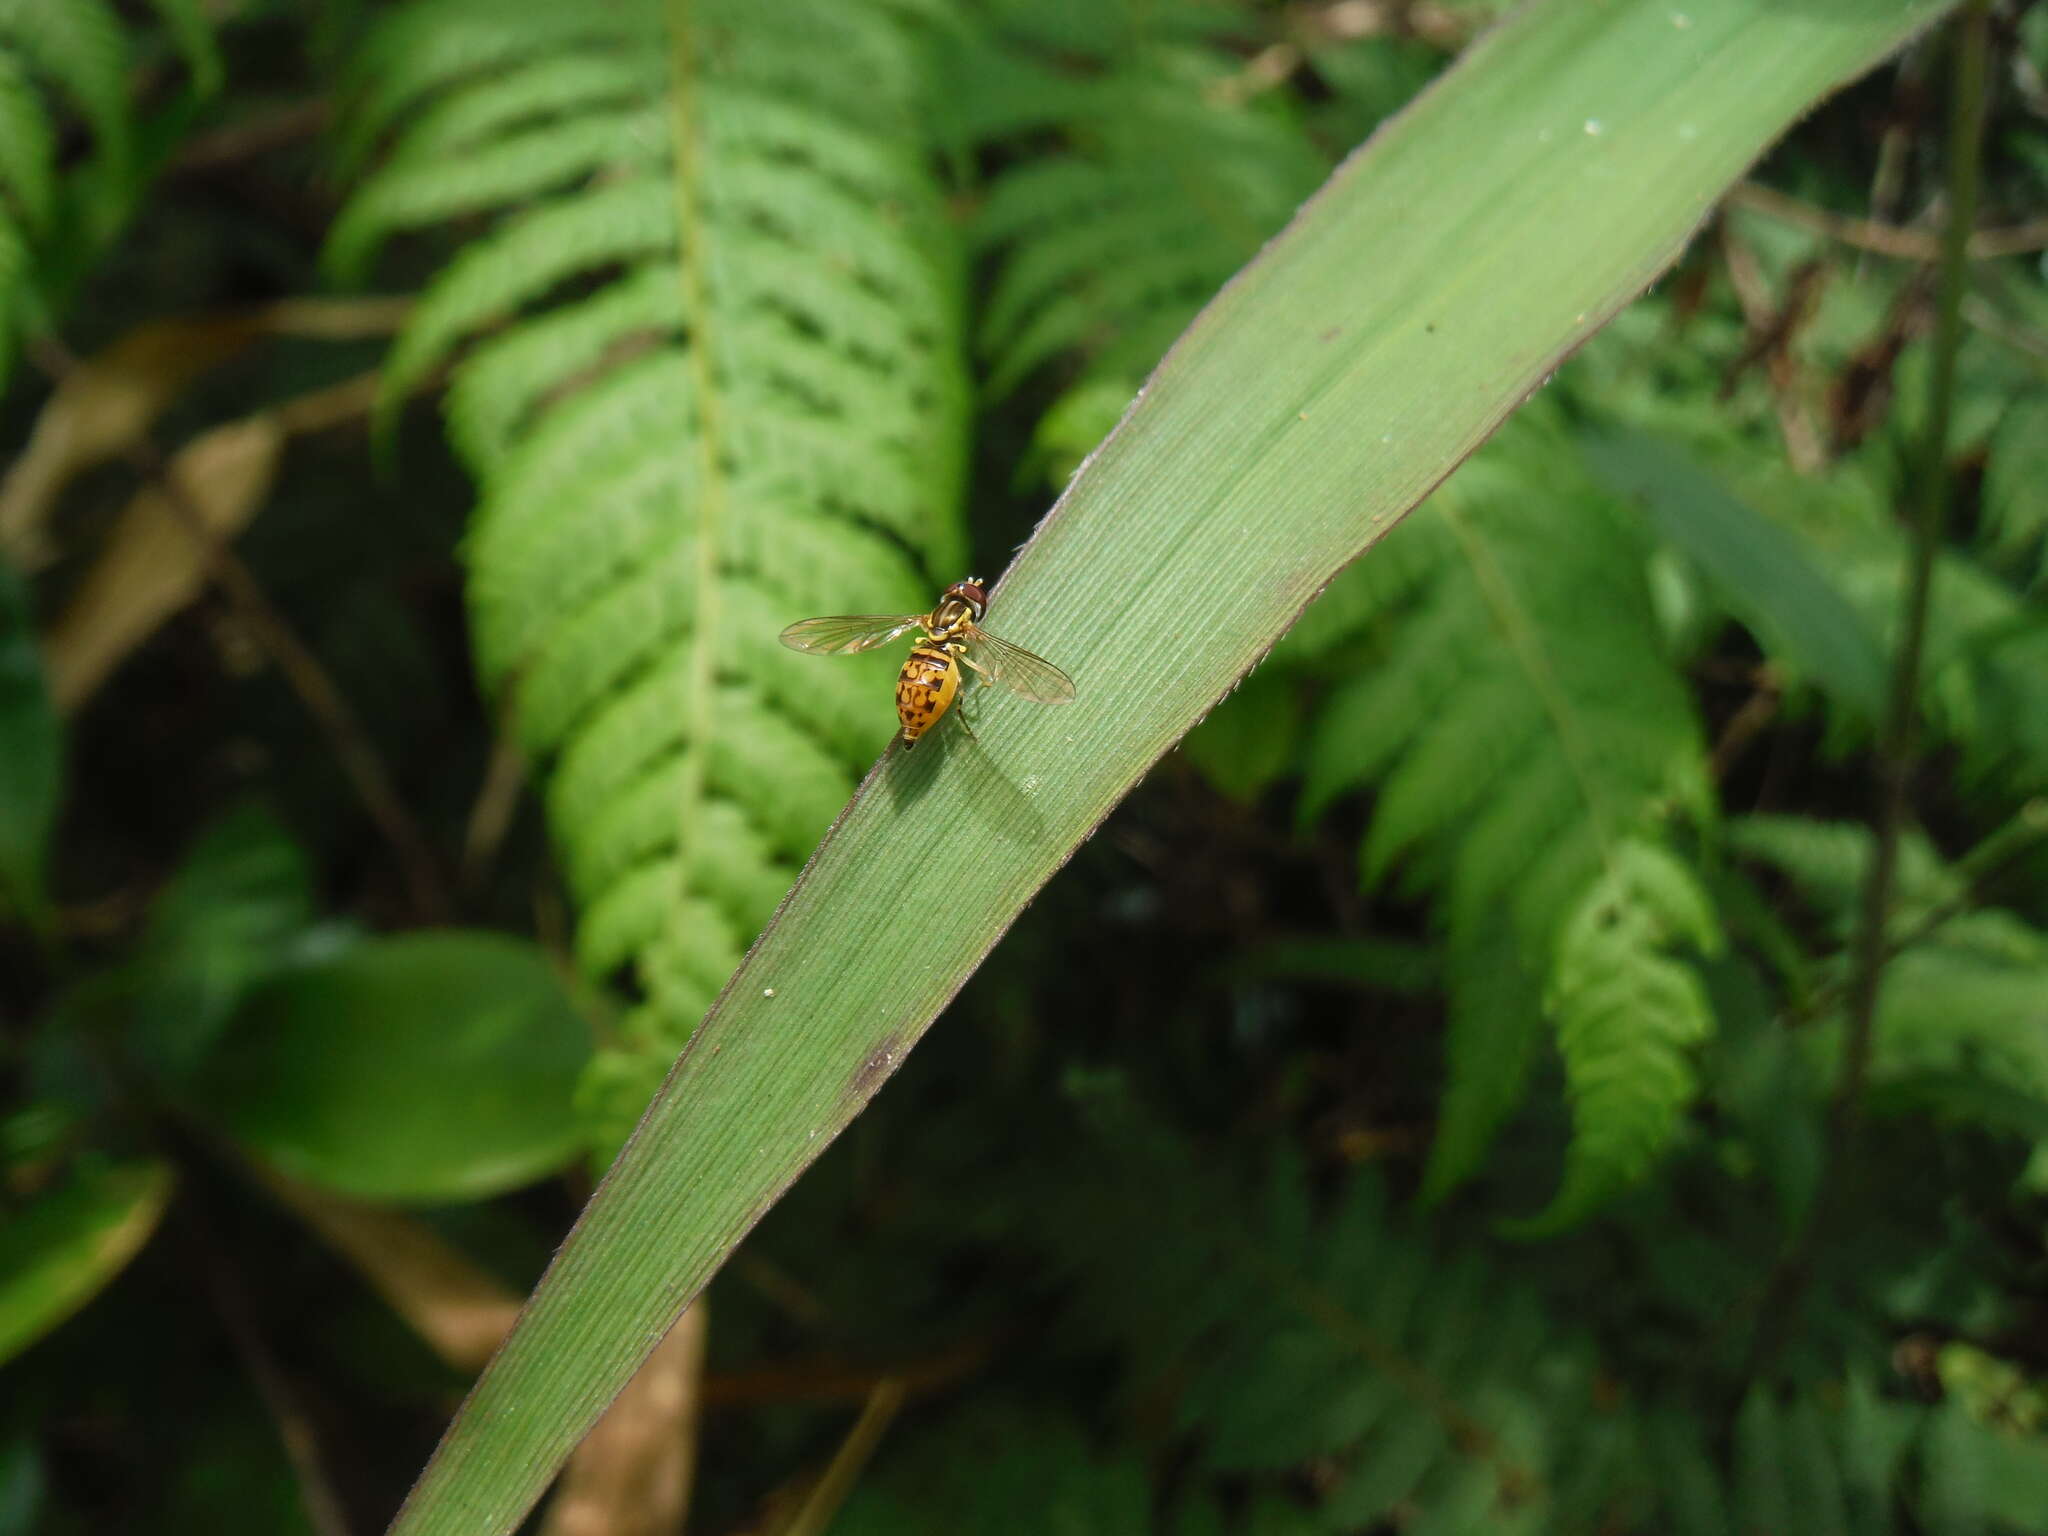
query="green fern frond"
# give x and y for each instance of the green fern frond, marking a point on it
(419, 189)
(1588, 727)
(524, 94)
(1163, 192)
(711, 385)
(1837, 1459)
(81, 49)
(1980, 1477)
(28, 147)
(1629, 1015)
(1343, 1339)
(60, 200)
(1788, 1475)
(192, 36)
(1351, 1365)
(996, 1471)
(1529, 736)
(423, 49)
(1972, 1002)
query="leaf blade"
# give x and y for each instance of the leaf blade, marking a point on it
(63, 1249)
(1253, 411)
(340, 1072)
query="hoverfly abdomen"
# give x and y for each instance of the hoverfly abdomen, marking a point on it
(925, 689)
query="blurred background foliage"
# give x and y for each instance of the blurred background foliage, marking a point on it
(1417, 1110)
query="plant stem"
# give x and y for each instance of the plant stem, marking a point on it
(1881, 239)
(1897, 739)
(1869, 949)
(847, 1463)
(1973, 871)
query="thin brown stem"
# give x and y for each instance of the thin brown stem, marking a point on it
(230, 1300)
(830, 1491)
(256, 135)
(1771, 331)
(491, 814)
(828, 1379)
(1890, 239)
(315, 687)
(1746, 724)
(360, 762)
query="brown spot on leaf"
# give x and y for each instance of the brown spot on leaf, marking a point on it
(872, 1071)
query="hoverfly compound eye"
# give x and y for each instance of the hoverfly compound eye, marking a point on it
(971, 593)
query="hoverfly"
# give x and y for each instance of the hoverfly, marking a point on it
(931, 676)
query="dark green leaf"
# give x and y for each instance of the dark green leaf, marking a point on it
(430, 1067)
(59, 1251)
(1765, 574)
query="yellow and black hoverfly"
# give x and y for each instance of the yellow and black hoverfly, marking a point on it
(931, 676)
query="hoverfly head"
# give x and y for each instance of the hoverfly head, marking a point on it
(972, 593)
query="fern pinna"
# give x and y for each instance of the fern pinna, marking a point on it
(1159, 185)
(60, 208)
(1535, 753)
(711, 381)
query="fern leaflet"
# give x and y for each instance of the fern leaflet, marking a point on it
(1161, 190)
(59, 209)
(1529, 736)
(1629, 1015)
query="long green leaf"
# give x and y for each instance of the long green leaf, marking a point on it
(64, 1248)
(1430, 286)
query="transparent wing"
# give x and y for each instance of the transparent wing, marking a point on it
(845, 633)
(1020, 671)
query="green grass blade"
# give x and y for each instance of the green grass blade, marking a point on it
(1426, 290)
